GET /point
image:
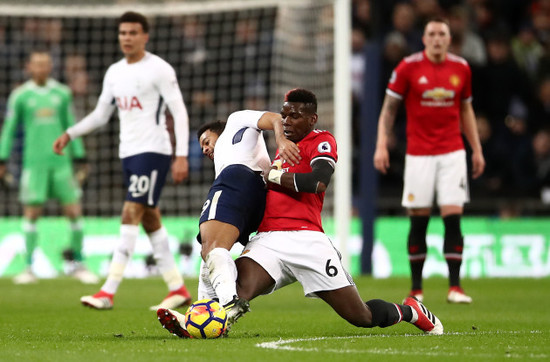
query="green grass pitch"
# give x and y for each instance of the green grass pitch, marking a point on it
(509, 320)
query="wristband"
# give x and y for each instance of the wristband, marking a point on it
(275, 176)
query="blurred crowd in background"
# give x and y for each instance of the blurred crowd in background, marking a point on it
(507, 44)
(226, 61)
(222, 60)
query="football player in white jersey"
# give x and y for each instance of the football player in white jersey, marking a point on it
(234, 206)
(140, 86)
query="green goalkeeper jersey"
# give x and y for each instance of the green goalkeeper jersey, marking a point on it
(45, 113)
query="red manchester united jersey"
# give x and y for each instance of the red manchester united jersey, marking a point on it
(290, 210)
(433, 93)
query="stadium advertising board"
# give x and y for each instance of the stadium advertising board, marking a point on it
(492, 247)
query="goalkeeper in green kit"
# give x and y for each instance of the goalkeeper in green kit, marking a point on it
(43, 108)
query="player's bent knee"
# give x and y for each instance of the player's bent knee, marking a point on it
(447, 210)
(32, 213)
(132, 213)
(73, 211)
(422, 211)
(207, 245)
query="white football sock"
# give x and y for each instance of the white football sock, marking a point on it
(121, 255)
(205, 290)
(165, 260)
(222, 273)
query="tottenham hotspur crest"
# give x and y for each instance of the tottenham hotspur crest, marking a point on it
(324, 147)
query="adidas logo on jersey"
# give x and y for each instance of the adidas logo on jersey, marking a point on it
(423, 80)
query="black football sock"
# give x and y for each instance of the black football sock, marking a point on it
(416, 273)
(452, 248)
(385, 314)
(417, 248)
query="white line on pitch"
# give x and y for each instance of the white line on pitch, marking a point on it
(283, 344)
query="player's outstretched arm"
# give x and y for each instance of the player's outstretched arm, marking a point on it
(385, 125)
(97, 118)
(288, 150)
(469, 127)
(61, 142)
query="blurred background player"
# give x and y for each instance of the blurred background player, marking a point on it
(436, 88)
(140, 85)
(291, 245)
(43, 107)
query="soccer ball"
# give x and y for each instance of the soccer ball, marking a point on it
(205, 318)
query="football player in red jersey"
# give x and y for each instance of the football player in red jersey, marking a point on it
(436, 89)
(291, 245)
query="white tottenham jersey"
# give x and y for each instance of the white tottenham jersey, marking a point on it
(140, 91)
(241, 143)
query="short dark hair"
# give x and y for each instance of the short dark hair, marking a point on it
(301, 95)
(133, 17)
(438, 19)
(216, 127)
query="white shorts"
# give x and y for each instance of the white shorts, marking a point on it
(304, 256)
(444, 174)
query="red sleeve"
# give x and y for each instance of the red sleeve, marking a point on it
(398, 82)
(324, 146)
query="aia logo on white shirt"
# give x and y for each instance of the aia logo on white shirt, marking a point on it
(423, 80)
(127, 103)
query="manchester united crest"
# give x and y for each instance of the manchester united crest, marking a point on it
(454, 80)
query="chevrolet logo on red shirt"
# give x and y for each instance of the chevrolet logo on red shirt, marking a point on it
(438, 94)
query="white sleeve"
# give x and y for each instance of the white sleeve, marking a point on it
(181, 125)
(102, 112)
(167, 84)
(99, 117)
(106, 95)
(246, 118)
(169, 90)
